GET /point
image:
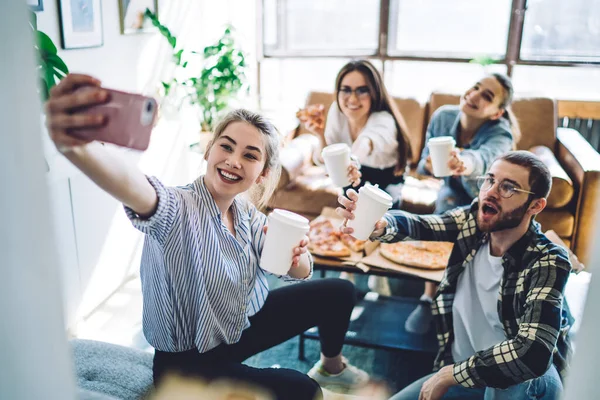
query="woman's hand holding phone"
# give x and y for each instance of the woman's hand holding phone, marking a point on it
(62, 110)
(68, 110)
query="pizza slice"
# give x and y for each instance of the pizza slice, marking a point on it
(319, 229)
(314, 113)
(330, 247)
(353, 243)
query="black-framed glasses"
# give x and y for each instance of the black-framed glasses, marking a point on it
(362, 92)
(505, 188)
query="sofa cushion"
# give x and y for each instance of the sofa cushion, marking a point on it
(537, 120)
(414, 115)
(562, 185)
(560, 221)
(112, 370)
(436, 100)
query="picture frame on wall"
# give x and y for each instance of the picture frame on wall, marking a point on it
(131, 16)
(80, 23)
(35, 5)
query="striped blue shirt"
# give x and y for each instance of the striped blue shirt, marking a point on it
(199, 282)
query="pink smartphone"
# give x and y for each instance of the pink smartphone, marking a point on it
(130, 118)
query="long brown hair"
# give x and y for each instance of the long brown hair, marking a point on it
(380, 101)
(507, 100)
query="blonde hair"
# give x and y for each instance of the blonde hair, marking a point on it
(259, 194)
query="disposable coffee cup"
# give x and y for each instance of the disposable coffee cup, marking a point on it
(337, 161)
(372, 204)
(286, 230)
(440, 150)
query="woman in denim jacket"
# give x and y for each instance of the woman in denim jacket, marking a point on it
(483, 127)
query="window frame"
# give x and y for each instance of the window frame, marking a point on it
(511, 59)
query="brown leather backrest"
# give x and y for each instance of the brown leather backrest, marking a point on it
(412, 111)
(537, 119)
(414, 115)
(536, 116)
(436, 100)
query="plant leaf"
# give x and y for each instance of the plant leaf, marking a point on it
(45, 43)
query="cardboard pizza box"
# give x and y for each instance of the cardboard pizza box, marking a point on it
(375, 259)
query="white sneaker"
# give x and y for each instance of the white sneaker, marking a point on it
(349, 276)
(380, 284)
(349, 379)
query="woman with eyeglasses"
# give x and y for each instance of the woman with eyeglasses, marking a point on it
(483, 127)
(365, 117)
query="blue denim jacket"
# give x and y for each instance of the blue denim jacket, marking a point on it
(491, 140)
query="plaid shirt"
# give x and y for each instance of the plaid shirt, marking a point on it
(530, 304)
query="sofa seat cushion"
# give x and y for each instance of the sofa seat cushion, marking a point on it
(112, 370)
(562, 185)
(560, 221)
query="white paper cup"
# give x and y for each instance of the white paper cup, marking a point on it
(337, 161)
(372, 204)
(286, 230)
(440, 149)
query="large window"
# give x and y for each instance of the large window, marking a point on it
(548, 46)
(510, 31)
(559, 30)
(449, 28)
(329, 27)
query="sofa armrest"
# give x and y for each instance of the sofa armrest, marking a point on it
(582, 163)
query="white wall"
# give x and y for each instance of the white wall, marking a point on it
(95, 242)
(115, 62)
(83, 215)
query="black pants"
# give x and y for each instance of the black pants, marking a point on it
(287, 312)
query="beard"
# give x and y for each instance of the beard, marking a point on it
(509, 220)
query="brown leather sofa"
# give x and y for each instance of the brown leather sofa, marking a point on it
(575, 166)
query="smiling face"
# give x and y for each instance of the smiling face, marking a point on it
(484, 99)
(354, 96)
(236, 161)
(497, 213)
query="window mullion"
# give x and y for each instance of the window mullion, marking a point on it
(515, 33)
(384, 17)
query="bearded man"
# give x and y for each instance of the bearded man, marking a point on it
(501, 318)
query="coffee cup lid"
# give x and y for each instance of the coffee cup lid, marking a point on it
(290, 218)
(335, 149)
(377, 194)
(441, 140)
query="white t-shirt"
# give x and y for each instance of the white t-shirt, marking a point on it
(475, 316)
(380, 128)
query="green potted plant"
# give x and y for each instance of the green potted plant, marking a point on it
(217, 80)
(50, 67)
(485, 61)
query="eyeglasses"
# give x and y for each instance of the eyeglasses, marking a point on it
(362, 92)
(505, 188)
